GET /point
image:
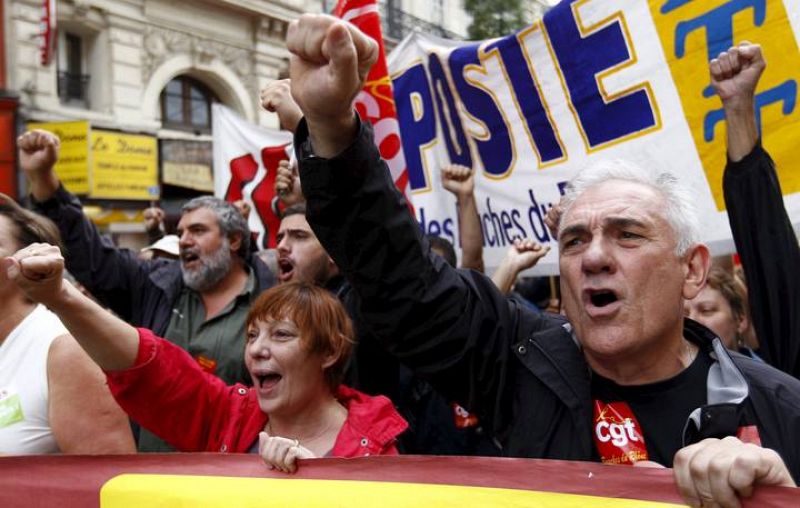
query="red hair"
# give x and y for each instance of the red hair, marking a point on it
(325, 328)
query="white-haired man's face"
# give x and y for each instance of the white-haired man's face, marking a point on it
(622, 283)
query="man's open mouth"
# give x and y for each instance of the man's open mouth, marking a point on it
(601, 303)
(285, 269)
(189, 257)
(602, 298)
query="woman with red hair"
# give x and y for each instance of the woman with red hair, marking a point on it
(299, 340)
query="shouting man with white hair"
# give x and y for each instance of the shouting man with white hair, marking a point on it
(626, 379)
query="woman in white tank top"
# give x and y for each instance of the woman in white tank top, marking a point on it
(53, 398)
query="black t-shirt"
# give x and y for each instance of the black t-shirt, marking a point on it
(661, 408)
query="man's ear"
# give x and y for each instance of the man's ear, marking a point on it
(235, 241)
(333, 269)
(697, 263)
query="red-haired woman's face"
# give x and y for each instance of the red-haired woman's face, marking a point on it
(285, 375)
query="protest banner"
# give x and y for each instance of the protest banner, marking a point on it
(592, 80)
(222, 480)
(246, 158)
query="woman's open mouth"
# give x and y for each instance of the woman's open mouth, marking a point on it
(266, 381)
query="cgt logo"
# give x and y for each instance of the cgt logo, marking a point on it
(620, 434)
(617, 434)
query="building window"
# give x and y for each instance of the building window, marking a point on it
(186, 105)
(73, 84)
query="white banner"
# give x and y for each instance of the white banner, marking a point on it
(246, 160)
(593, 80)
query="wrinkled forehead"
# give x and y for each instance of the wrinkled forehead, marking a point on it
(618, 199)
(204, 216)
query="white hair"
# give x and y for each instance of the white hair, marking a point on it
(680, 212)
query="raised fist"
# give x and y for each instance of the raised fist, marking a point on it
(330, 61)
(38, 152)
(458, 179)
(735, 73)
(38, 270)
(276, 97)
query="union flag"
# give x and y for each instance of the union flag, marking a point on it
(375, 102)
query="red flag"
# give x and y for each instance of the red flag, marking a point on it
(376, 101)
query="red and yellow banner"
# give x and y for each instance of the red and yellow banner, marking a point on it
(375, 103)
(220, 480)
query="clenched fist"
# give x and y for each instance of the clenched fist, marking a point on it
(38, 270)
(38, 154)
(330, 61)
(276, 97)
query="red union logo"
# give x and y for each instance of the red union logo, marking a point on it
(617, 434)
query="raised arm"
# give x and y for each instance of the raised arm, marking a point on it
(330, 61)
(38, 153)
(38, 270)
(522, 255)
(734, 76)
(287, 183)
(451, 326)
(276, 97)
(154, 224)
(761, 228)
(167, 392)
(460, 181)
(109, 273)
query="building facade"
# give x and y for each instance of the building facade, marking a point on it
(150, 68)
(154, 67)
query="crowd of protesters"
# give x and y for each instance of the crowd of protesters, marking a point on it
(358, 335)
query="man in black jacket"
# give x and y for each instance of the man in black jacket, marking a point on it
(626, 380)
(760, 225)
(301, 257)
(199, 301)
